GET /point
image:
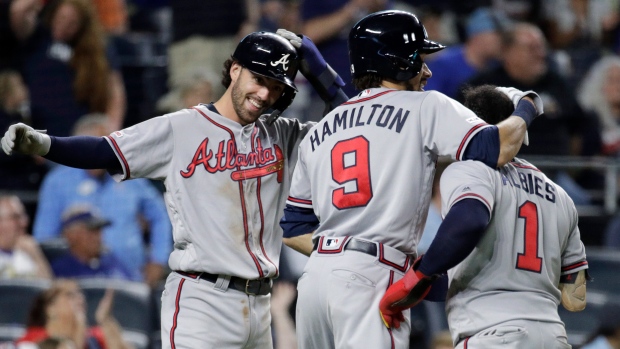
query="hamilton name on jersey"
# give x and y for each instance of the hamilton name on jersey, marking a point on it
(385, 116)
(257, 163)
(530, 183)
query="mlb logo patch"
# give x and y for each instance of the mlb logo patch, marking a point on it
(118, 134)
(331, 244)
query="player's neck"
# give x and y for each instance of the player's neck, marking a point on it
(392, 85)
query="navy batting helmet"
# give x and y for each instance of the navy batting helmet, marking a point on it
(271, 56)
(389, 43)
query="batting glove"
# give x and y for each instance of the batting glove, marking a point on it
(26, 140)
(313, 63)
(404, 294)
(515, 96)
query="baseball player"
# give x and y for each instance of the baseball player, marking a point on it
(528, 256)
(364, 178)
(227, 171)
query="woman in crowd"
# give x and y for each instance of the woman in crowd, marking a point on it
(60, 312)
(69, 69)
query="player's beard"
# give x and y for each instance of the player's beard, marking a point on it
(238, 101)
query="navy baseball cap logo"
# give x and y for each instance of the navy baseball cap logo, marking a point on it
(283, 61)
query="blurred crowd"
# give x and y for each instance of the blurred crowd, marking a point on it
(90, 67)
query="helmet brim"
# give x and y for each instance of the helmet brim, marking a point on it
(286, 80)
(431, 46)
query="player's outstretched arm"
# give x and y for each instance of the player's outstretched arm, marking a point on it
(24, 139)
(457, 236)
(301, 243)
(298, 225)
(323, 78)
(512, 131)
(78, 151)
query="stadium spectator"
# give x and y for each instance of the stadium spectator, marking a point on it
(20, 255)
(129, 205)
(86, 256)
(580, 29)
(60, 311)
(20, 172)
(481, 51)
(327, 23)
(70, 70)
(196, 89)
(599, 94)
(207, 36)
(18, 19)
(564, 128)
(524, 66)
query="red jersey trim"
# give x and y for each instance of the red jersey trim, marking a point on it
(382, 259)
(464, 141)
(367, 98)
(515, 164)
(241, 196)
(300, 201)
(472, 195)
(120, 154)
(260, 207)
(176, 313)
(574, 266)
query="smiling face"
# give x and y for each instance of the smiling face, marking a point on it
(252, 94)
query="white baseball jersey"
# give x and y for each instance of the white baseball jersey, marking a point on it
(532, 239)
(226, 186)
(367, 168)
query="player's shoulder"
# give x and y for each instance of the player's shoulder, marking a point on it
(524, 164)
(471, 165)
(468, 168)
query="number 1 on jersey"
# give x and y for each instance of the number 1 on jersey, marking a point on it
(350, 162)
(529, 260)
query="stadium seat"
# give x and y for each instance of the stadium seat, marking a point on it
(16, 296)
(9, 333)
(132, 307)
(53, 249)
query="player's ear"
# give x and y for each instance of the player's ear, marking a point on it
(235, 71)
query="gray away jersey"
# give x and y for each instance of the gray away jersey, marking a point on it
(367, 168)
(226, 185)
(532, 239)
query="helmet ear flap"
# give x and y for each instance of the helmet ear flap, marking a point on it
(404, 69)
(281, 104)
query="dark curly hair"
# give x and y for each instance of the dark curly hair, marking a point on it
(226, 80)
(488, 103)
(369, 80)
